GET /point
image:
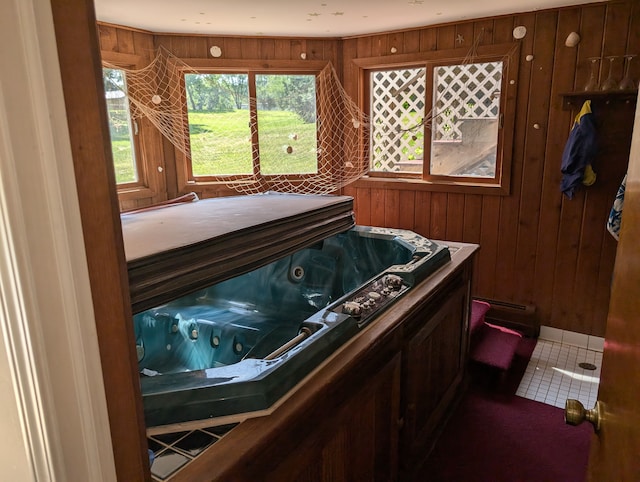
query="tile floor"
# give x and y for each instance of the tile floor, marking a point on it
(172, 451)
(553, 374)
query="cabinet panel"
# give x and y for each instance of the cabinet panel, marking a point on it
(433, 368)
(357, 442)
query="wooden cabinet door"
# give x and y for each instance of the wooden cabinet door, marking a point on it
(433, 368)
(357, 442)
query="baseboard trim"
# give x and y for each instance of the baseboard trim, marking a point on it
(522, 318)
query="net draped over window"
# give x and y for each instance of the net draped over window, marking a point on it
(341, 131)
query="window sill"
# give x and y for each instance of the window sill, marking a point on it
(135, 192)
(408, 184)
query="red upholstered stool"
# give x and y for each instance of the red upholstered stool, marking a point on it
(478, 310)
(490, 344)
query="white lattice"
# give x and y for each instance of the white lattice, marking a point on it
(464, 91)
(397, 112)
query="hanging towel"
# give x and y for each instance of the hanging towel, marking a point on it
(579, 152)
(615, 216)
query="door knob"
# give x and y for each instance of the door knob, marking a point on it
(575, 413)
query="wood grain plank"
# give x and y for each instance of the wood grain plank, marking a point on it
(380, 45)
(333, 54)
(350, 78)
(266, 49)
(455, 217)
(364, 47)
(249, 48)
(464, 36)
(232, 48)
(503, 29)
(472, 218)
(488, 247)
(563, 309)
(633, 42)
(411, 41)
(615, 36)
(395, 41)
(422, 216)
(143, 46)
(297, 48)
(472, 229)
(557, 130)
(522, 209)
(108, 38)
(162, 41)
(438, 229)
(316, 50)
(198, 47)
(392, 208)
(377, 207)
(363, 213)
(407, 210)
(125, 41)
(126, 204)
(179, 46)
(591, 45)
(282, 49)
(565, 313)
(428, 39)
(446, 37)
(483, 32)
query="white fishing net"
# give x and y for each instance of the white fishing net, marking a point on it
(253, 144)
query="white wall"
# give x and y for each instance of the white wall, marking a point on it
(54, 421)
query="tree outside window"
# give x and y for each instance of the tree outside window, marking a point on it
(234, 133)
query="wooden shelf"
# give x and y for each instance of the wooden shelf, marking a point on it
(574, 100)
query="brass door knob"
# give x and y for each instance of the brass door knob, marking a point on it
(575, 413)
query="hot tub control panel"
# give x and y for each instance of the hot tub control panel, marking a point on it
(373, 297)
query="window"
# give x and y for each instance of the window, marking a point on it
(464, 122)
(219, 124)
(445, 119)
(121, 127)
(245, 123)
(397, 115)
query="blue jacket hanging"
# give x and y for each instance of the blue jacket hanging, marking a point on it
(579, 152)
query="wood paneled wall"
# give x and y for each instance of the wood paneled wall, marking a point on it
(537, 247)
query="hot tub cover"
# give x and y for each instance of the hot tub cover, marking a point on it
(180, 248)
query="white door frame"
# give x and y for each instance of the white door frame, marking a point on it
(54, 424)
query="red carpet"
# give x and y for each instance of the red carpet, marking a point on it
(495, 436)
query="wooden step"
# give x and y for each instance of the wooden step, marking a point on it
(494, 346)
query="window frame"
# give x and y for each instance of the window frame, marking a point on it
(509, 54)
(367, 109)
(142, 187)
(186, 179)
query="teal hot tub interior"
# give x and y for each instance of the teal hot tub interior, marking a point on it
(239, 345)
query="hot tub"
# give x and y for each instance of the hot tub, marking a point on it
(234, 347)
